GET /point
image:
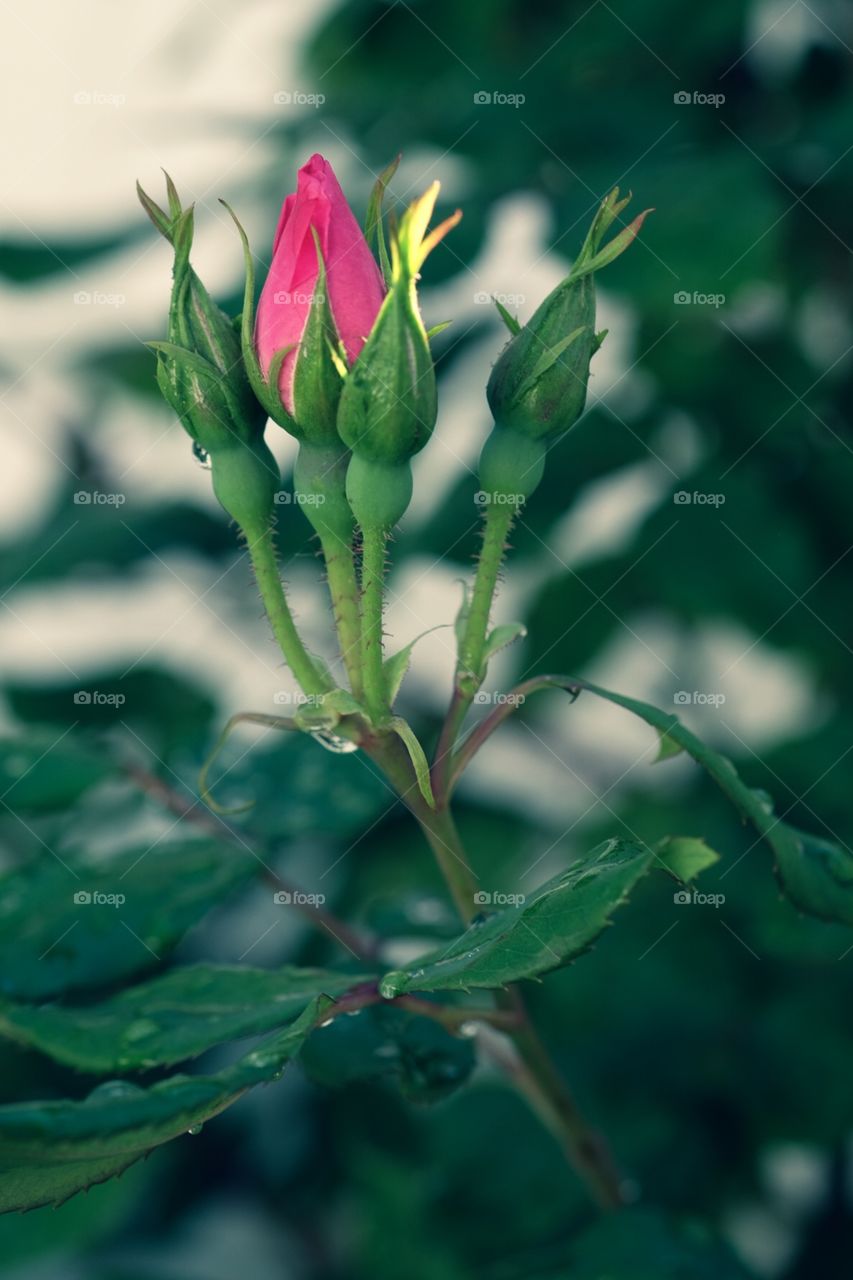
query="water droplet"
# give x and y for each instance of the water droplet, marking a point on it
(115, 1089)
(201, 456)
(327, 1023)
(333, 742)
(195, 1128)
(469, 1029)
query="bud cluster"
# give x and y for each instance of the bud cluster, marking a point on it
(336, 352)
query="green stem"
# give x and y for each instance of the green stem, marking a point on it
(440, 832)
(499, 518)
(538, 1078)
(372, 582)
(534, 1071)
(262, 552)
(343, 589)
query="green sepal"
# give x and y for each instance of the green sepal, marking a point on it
(266, 389)
(420, 764)
(317, 380)
(373, 225)
(512, 323)
(161, 220)
(547, 360)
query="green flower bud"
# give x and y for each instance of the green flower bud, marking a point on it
(199, 368)
(388, 405)
(538, 385)
(200, 373)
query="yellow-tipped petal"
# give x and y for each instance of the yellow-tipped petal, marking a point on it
(436, 235)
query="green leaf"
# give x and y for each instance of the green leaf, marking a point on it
(50, 1150)
(554, 925)
(684, 856)
(501, 636)
(384, 1042)
(43, 772)
(171, 1018)
(816, 874)
(50, 943)
(409, 738)
(395, 667)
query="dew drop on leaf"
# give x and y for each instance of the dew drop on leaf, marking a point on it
(201, 456)
(114, 1089)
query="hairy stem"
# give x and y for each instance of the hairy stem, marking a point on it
(372, 582)
(499, 518)
(469, 671)
(343, 590)
(262, 552)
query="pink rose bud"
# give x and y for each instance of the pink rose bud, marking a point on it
(353, 283)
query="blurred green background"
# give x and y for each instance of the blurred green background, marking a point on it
(690, 545)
